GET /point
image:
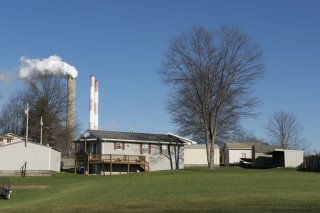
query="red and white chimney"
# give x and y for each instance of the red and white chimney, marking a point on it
(96, 104)
(91, 115)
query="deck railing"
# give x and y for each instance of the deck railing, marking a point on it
(92, 158)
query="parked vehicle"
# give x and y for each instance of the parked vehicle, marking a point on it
(5, 188)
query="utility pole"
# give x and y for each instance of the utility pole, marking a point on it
(41, 125)
(27, 127)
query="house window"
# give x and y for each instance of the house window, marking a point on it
(145, 148)
(119, 146)
(243, 155)
(93, 148)
(165, 149)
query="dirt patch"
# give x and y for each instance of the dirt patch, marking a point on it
(29, 186)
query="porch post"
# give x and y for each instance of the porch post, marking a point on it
(128, 165)
(110, 164)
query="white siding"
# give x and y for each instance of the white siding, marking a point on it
(293, 158)
(234, 155)
(13, 156)
(55, 160)
(156, 160)
(198, 157)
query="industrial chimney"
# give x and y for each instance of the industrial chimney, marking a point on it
(96, 104)
(94, 96)
(71, 106)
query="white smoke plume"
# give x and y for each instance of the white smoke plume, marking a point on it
(33, 68)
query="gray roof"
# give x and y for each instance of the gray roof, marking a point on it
(199, 146)
(264, 148)
(235, 145)
(131, 136)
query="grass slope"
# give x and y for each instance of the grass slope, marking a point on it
(190, 190)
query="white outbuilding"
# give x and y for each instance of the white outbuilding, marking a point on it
(287, 158)
(233, 152)
(196, 155)
(35, 158)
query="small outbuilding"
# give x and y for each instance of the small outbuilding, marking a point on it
(33, 158)
(196, 155)
(235, 153)
(286, 158)
(260, 156)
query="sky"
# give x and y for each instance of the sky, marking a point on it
(122, 43)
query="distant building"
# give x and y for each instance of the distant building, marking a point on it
(9, 138)
(286, 158)
(234, 153)
(110, 152)
(261, 155)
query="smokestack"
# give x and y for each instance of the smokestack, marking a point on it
(92, 102)
(71, 106)
(96, 102)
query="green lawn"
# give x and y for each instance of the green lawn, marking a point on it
(190, 190)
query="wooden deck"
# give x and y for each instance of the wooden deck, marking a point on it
(90, 159)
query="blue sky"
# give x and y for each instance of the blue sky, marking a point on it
(123, 43)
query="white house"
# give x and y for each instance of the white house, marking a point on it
(38, 159)
(196, 155)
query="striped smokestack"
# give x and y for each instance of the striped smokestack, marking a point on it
(96, 103)
(92, 95)
(71, 106)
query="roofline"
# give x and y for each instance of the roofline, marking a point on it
(30, 142)
(282, 150)
(136, 141)
(126, 140)
(182, 138)
(239, 148)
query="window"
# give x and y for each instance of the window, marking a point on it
(243, 155)
(93, 148)
(164, 148)
(145, 148)
(119, 146)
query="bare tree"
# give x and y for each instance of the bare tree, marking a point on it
(284, 129)
(12, 115)
(47, 98)
(211, 74)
